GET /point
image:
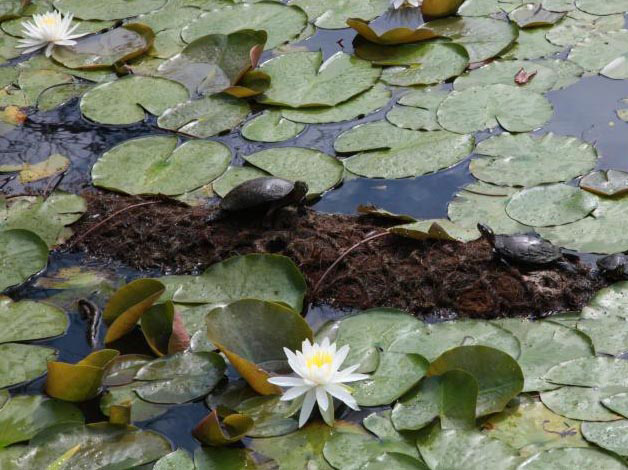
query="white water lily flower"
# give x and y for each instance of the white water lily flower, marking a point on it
(320, 379)
(396, 4)
(48, 30)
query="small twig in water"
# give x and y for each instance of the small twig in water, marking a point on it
(343, 256)
(50, 188)
(107, 219)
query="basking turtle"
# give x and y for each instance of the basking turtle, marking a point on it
(265, 194)
(614, 267)
(523, 249)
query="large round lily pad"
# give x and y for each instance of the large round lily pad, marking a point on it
(126, 101)
(156, 165)
(600, 49)
(333, 14)
(532, 44)
(23, 362)
(417, 110)
(107, 49)
(111, 10)
(483, 38)
(388, 151)
(525, 160)
(281, 22)
(504, 72)
(27, 320)
(610, 436)
(548, 205)
(557, 459)
(271, 126)
(607, 7)
(22, 254)
(205, 117)
(357, 107)
(485, 107)
(602, 232)
(302, 79)
(582, 403)
(319, 170)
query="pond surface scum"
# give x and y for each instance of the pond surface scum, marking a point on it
(140, 325)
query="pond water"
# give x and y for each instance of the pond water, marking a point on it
(586, 109)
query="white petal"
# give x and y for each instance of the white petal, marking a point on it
(295, 392)
(340, 356)
(322, 398)
(341, 394)
(307, 407)
(49, 49)
(287, 381)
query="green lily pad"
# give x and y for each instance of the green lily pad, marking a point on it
(599, 233)
(590, 372)
(419, 407)
(478, 108)
(59, 95)
(556, 459)
(607, 183)
(528, 426)
(107, 49)
(22, 254)
(581, 403)
(392, 152)
(526, 160)
(609, 302)
(256, 276)
(223, 458)
(320, 171)
(112, 10)
(545, 344)
(349, 450)
(608, 7)
(156, 165)
(333, 14)
(125, 395)
(177, 460)
(302, 79)
(483, 38)
(498, 375)
(94, 446)
(549, 205)
(24, 416)
(532, 44)
(357, 107)
(33, 82)
(435, 229)
(251, 333)
(180, 378)
(396, 373)
(571, 31)
(271, 126)
(272, 417)
(610, 436)
(481, 202)
(234, 176)
(530, 15)
(417, 110)
(27, 320)
(394, 460)
(429, 62)
(206, 117)
(447, 449)
(504, 72)
(617, 403)
(23, 362)
(609, 335)
(48, 218)
(214, 63)
(432, 340)
(282, 23)
(599, 50)
(122, 370)
(568, 72)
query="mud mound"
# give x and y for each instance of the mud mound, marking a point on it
(423, 277)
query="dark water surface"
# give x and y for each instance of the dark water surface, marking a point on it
(586, 110)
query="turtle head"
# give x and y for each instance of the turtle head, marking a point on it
(300, 190)
(487, 232)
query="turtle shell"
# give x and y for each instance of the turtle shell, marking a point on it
(257, 192)
(527, 249)
(614, 266)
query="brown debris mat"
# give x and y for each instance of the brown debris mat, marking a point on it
(423, 277)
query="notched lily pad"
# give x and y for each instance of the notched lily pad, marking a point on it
(22, 254)
(271, 126)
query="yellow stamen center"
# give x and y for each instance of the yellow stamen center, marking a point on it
(49, 20)
(319, 359)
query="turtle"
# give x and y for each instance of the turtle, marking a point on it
(264, 194)
(522, 249)
(614, 267)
